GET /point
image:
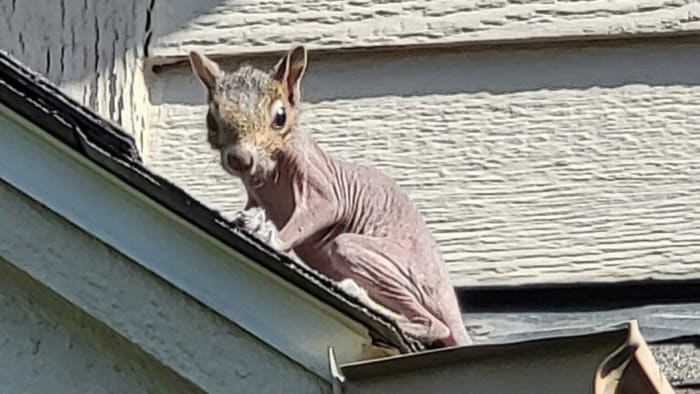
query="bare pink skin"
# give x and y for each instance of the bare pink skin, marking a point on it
(350, 221)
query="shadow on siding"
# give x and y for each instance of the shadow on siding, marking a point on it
(495, 71)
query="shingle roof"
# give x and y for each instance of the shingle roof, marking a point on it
(668, 314)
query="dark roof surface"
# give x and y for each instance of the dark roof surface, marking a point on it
(39, 101)
(680, 362)
(535, 364)
(671, 325)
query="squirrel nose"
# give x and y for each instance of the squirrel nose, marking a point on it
(239, 161)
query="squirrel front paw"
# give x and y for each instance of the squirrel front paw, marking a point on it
(250, 219)
(254, 221)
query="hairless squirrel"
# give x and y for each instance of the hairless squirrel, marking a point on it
(347, 221)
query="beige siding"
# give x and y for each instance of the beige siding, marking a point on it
(92, 49)
(232, 26)
(540, 166)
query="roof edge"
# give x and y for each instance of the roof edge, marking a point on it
(625, 365)
(88, 137)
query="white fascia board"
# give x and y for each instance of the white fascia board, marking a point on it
(288, 319)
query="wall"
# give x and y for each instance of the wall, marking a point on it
(93, 49)
(235, 27)
(50, 346)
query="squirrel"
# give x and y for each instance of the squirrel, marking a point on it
(349, 222)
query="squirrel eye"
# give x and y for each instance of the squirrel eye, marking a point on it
(279, 116)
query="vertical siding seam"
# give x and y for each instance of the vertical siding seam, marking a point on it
(149, 27)
(62, 59)
(96, 66)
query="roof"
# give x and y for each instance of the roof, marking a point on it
(668, 315)
(616, 360)
(87, 134)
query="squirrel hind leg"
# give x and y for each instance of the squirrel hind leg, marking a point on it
(351, 288)
(364, 260)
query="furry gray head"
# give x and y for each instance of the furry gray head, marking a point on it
(252, 112)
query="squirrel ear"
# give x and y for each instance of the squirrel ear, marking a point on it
(206, 69)
(289, 72)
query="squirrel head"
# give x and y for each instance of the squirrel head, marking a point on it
(252, 112)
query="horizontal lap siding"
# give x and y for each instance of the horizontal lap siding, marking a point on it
(230, 27)
(544, 166)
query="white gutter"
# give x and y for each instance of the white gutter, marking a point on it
(289, 320)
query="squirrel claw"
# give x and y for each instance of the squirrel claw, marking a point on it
(254, 221)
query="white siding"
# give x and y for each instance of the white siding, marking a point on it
(234, 26)
(541, 166)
